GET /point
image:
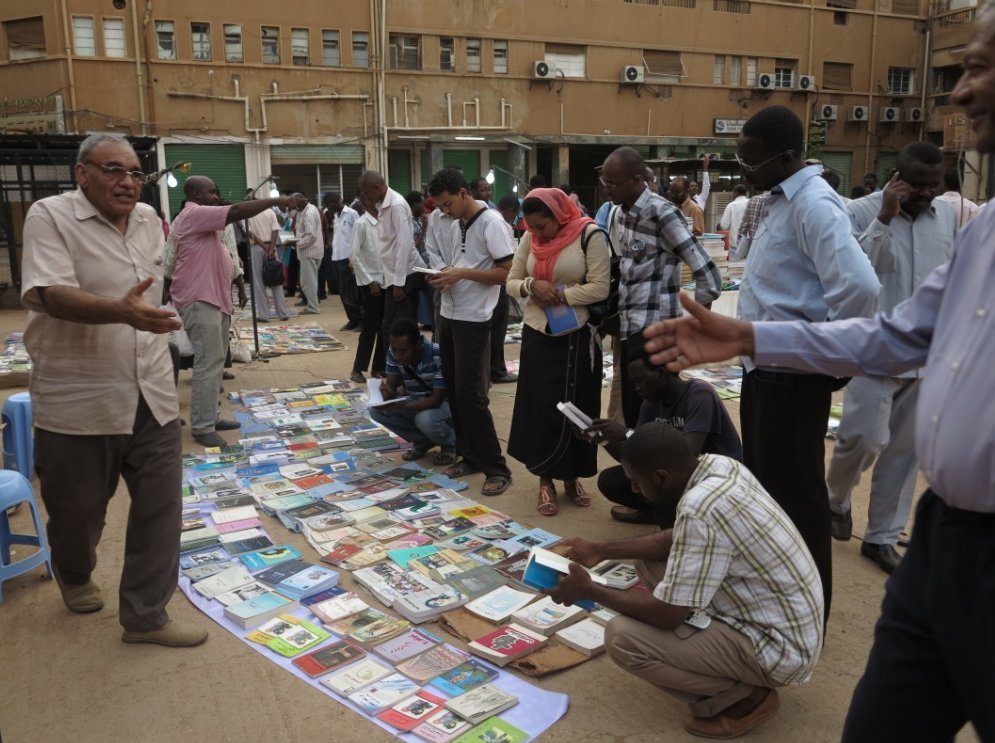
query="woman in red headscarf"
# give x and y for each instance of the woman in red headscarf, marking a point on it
(562, 266)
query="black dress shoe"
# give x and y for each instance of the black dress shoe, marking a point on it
(884, 555)
(302, 303)
(504, 378)
(227, 375)
(210, 440)
(225, 425)
(841, 525)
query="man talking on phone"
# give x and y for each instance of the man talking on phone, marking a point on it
(736, 605)
(906, 233)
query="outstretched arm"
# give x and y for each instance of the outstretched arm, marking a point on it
(78, 305)
(696, 338)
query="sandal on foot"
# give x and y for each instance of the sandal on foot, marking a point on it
(495, 485)
(444, 459)
(415, 452)
(547, 501)
(576, 493)
(460, 469)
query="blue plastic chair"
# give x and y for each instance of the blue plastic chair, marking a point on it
(14, 490)
(18, 447)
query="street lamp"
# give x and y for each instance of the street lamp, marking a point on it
(274, 192)
(490, 177)
(182, 167)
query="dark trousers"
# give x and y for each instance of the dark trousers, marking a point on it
(348, 291)
(783, 419)
(293, 273)
(499, 329)
(327, 280)
(78, 477)
(930, 670)
(465, 369)
(371, 341)
(617, 488)
(632, 348)
(404, 307)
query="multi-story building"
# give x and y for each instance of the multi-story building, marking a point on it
(314, 92)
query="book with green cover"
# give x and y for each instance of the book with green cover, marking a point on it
(494, 730)
(288, 635)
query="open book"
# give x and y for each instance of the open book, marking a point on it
(375, 397)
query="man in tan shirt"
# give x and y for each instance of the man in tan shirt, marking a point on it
(679, 195)
(103, 398)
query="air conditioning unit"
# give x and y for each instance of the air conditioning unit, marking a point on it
(828, 113)
(765, 82)
(541, 70)
(915, 115)
(856, 113)
(806, 83)
(889, 114)
(633, 74)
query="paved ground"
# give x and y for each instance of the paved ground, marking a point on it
(67, 677)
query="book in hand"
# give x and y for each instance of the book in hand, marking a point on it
(328, 658)
(375, 398)
(412, 711)
(494, 730)
(498, 605)
(288, 635)
(545, 568)
(354, 677)
(586, 636)
(338, 608)
(257, 610)
(546, 617)
(575, 415)
(506, 644)
(480, 703)
(561, 319)
(383, 694)
(616, 574)
(407, 645)
(465, 676)
(441, 727)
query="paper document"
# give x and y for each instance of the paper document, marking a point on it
(375, 398)
(422, 269)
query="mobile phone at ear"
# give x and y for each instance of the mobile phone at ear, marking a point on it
(698, 619)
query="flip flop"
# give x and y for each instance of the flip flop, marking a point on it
(495, 485)
(444, 459)
(461, 469)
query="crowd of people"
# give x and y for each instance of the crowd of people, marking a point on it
(892, 286)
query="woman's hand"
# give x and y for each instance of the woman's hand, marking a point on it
(545, 294)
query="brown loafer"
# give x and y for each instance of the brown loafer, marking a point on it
(724, 727)
(633, 515)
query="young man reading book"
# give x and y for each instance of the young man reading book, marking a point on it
(736, 607)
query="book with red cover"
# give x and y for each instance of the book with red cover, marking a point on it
(328, 658)
(412, 711)
(341, 554)
(507, 643)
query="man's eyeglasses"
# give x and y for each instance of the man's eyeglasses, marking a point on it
(747, 168)
(116, 172)
(609, 185)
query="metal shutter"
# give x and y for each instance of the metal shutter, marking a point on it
(313, 154)
(469, 160)
(222, 163)
(842, 163)
(886, 166)
(399, 169)
(502, 181)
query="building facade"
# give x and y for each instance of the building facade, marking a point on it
(312, 93)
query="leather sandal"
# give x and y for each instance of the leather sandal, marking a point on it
(547, 500)
(415, 452)
(576, 493)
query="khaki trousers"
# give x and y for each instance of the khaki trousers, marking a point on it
(709, 669)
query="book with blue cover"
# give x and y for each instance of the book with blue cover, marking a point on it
(267, 558)
(561, 318)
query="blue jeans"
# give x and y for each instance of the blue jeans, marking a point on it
(423, 428)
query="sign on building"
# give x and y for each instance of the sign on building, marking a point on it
(42, 115)
(957, 130)
(728, 126)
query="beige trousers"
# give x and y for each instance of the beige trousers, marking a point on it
(709, 669)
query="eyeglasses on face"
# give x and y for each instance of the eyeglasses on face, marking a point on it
(116, 172)
(610, 184)
(747, 168)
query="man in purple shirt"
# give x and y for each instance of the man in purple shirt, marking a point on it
(930, 670)
(201, 293)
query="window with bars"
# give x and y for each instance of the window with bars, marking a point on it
(751, 72)
(664, 64)
(84, 36)
(331, 53)
(233, 43)
(837, 76)
(271, 44)
(901, 80)
(360, 49)
(300, 46)
(784, 73)
(25, 38)
(114, 42)
(500, 57)
(447, 54)
(200, 38)
(165, 39)
(719, 70)
(473, 57)
(405, 52)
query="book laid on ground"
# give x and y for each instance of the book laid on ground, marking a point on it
(328, 658)
(370, 627)
(228, 579)
(546, 617)
(432, 663)
(288, 635)
(428, 605)
(356, 676)
(383, 694)
(480, 703)
(242, 593)
(407, 645)
(303, 580)
(507, 643)
(266, 558)
(441, 727)
(492, 731)
(409, 713)
(498, 605)
(586, 636)
(257, 610)
(475, 583)
(466, 676)
(338, 608)
(513, 568)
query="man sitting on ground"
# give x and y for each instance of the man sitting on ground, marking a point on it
(414, 371)
(736, 607)
(692, 407)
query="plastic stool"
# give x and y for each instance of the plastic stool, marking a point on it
(14, 490)
(18, 448)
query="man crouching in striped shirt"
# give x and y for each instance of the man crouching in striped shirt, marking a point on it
(736, 606)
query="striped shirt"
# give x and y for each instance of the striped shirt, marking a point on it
(423, 379)
(655, 240)
(737, 555)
